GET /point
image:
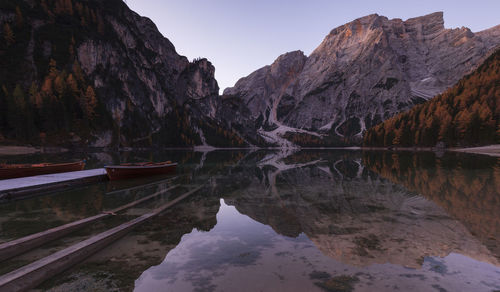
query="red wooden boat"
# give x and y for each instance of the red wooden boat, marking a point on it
(22, 170)
(131, 170)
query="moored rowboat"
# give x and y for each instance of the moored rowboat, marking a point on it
(22, 170)
(131, 170)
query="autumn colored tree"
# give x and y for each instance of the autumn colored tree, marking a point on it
(79, 8)
(59, 7)
(68, 5)
(63, 7)
(466, 114)
(89, 102)
(21, 115)
(3, 113)
(100, 24)
(71, 48)
(34, 95)
(18, 96)
(44, 5)
(72, 85)
(8, 34)
(19, 17)
(77, 70)
(15, 107)
(60, 85)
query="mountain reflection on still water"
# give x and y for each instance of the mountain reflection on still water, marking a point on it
(316, 220)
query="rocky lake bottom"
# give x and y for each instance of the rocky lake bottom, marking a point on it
(309, 220)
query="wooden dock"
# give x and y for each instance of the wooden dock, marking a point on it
(21, 245)
(18, 188)
(35, 273)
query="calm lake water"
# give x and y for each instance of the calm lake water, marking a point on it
(311, 220)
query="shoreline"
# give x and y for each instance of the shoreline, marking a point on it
(18, 150)
(491, 150)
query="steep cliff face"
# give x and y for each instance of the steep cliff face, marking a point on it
(116, 78)
(94, 73)
(362, 73)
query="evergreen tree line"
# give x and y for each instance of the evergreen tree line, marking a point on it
(61, 104)
(467, 114)
(59, 101)
(74, 8)
(180, 129)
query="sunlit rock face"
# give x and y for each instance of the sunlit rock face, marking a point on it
(351, 214)
(362, 73)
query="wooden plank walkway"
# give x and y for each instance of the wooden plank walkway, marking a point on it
(18, 246)
(35, 273)
(18, 188)
(170, 179)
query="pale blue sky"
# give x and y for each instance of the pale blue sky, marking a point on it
(240, 36)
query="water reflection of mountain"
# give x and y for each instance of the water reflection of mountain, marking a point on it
(466, 186)
(348, 211)
(351, 213)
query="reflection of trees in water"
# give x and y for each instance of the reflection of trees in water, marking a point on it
(347, 210)
(466, 186)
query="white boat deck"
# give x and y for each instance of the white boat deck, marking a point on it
(7, 185)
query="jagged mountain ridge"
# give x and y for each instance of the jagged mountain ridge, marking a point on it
(361, 74)
(133, 89)
(95, 73)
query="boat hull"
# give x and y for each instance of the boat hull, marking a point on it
(122, 171)
(24, 170)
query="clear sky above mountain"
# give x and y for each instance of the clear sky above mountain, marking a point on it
(240, 36)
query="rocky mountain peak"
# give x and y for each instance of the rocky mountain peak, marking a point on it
(291, 61)
(286, 65)
(429, 23)
(354, 27)
(126, 86)
(199, 81)
(490, 36)
(363, 72)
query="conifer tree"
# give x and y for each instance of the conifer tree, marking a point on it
(19, 18)
(72, 85)
(69, 6)
(8, 34)
(3, 109)
(89, 102)
(78, 72)
(18, 95)
(18, 115)
(34, 94)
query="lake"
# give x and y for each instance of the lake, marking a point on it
(308, 220)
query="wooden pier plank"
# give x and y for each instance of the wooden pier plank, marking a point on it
(30, 181)
(33, 274)
(17, 188)
(18, 246)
